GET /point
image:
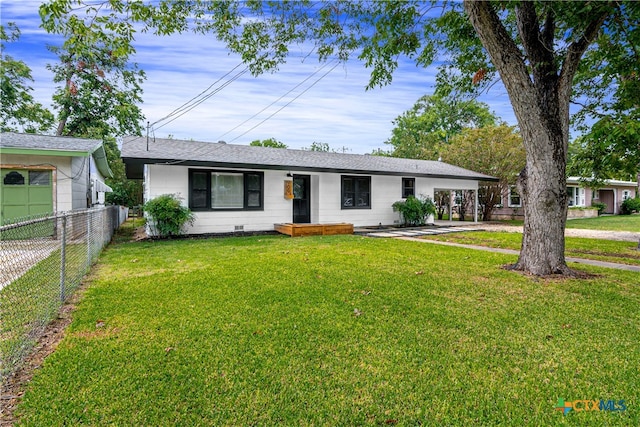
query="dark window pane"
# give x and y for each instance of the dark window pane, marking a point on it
(199, 199)
(253, 199)
(14, 178)
(356, 192)
(253, 182)
(199, 181)
(408, 187)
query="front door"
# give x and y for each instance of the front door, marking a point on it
(301, 199)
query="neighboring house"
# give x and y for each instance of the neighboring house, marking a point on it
(612, 194)
(244, 188)
(47, 174)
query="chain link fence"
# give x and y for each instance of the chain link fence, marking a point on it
(42, 262)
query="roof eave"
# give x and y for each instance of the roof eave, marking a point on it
(134, 169)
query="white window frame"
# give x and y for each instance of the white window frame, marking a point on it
(513, 191)
(577, 196)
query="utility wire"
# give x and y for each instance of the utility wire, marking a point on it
(288, 103)
(278, 100)
(187, 104)
(194, 105)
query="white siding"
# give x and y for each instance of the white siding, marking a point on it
(80, 182)
(325, 199)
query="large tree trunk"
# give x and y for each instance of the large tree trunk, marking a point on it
(542, 186)
(539, 91)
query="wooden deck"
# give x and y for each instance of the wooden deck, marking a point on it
(298, 230)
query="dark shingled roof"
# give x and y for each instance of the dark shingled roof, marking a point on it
(212, 154)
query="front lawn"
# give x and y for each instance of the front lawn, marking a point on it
(339, 330)
(608, 222)
(578, 247)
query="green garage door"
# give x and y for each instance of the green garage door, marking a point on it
(25, 193)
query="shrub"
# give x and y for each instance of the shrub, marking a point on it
(415, 211)
(167, 214)
(630, 206)
(600, 206)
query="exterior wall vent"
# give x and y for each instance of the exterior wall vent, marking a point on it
(239, 228)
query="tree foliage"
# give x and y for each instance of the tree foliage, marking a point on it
(271, 142)
(610, 150)
(424, 131)
(535, 47)
(19, 112)
(100, 89)
(319, 146)
(496, 151)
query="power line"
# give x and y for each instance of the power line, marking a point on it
(278, 100)
(288, 103)
(204, 98)
(186, 104)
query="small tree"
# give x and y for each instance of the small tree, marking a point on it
(415, 211)
(443, 200)
(168, 216)
(493, 150)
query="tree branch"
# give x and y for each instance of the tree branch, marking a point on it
(577, 49)
(505, 54)
(537, 50)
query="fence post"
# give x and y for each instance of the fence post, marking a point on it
(88, 238)
(63, 256)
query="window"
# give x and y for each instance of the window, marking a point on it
(13, 178)
(408, 187)
(626, 194)
(224, 190)
(227, 190)
(514, 197)
(576, 196)
(39, 178)
(356, 192)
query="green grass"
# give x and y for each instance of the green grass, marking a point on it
(29, 303)
(339, 330)
(608, 222)
(578, 247)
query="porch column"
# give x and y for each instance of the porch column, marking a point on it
(475, 210)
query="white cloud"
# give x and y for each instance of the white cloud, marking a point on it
(337, 110)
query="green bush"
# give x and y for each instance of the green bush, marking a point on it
(167, 215)
(415, 211)
(600, 206)
(630, 206)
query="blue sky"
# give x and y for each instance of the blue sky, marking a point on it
(336, 110)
